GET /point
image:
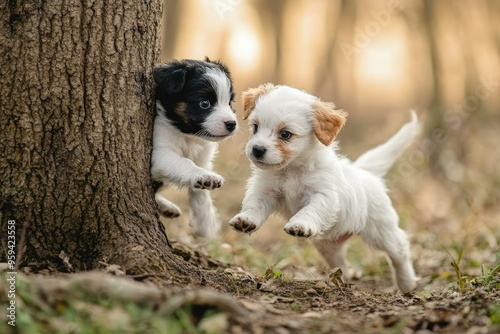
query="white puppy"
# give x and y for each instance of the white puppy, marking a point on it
(297, 172)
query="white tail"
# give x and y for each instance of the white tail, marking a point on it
(380, 159)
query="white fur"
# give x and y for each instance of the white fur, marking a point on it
(186, 160)
(318, 192)
(222, 111)
(379, 159)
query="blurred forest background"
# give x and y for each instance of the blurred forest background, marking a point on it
(376, 59)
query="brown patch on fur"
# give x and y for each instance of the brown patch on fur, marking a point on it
(180, 109)
(281, 126)
(250, 96)
(283, 148)
(327, 121)
(282, 144)
(343, 238)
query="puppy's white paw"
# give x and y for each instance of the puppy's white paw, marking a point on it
(243, 223)
(409, 287)
(407, 283)
(167, 208)
(298, 230)
(207, 181)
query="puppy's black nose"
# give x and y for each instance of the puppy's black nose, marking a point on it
(230, 125)
(258, 151)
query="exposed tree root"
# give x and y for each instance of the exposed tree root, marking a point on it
(101, 285)
(86, 291)
(223, 302)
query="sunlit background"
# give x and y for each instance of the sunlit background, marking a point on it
(377, 60)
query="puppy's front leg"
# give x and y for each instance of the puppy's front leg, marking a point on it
(259, 202)
(204, 218)
(168, 165)
(314, 218)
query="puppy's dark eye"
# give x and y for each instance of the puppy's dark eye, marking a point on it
(285, 134)
(255, 128)
(204, 104)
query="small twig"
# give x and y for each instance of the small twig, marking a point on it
(146, 275)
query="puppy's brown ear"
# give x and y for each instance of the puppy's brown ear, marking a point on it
(250, 96)
(327, 121)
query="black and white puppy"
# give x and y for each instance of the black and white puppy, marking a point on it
(193, 113)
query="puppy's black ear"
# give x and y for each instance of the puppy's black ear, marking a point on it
(172, 76)
(221, 65)
(327, 121)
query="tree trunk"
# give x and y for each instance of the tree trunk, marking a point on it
(77, 111)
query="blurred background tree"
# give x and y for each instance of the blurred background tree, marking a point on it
(377, 59)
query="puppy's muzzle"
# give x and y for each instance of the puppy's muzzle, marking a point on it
(258, 151)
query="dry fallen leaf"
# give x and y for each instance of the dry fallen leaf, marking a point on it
(335, 277)
(65, 258)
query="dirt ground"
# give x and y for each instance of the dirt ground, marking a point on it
(112, 302)
(281, 304)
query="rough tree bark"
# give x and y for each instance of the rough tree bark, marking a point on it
(76, 97)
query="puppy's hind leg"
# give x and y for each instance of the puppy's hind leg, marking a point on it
(334, 251)
(204, 218)
(388, 237)
(165, 207)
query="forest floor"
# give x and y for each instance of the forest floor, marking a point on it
(280, 283)
(111, 302)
